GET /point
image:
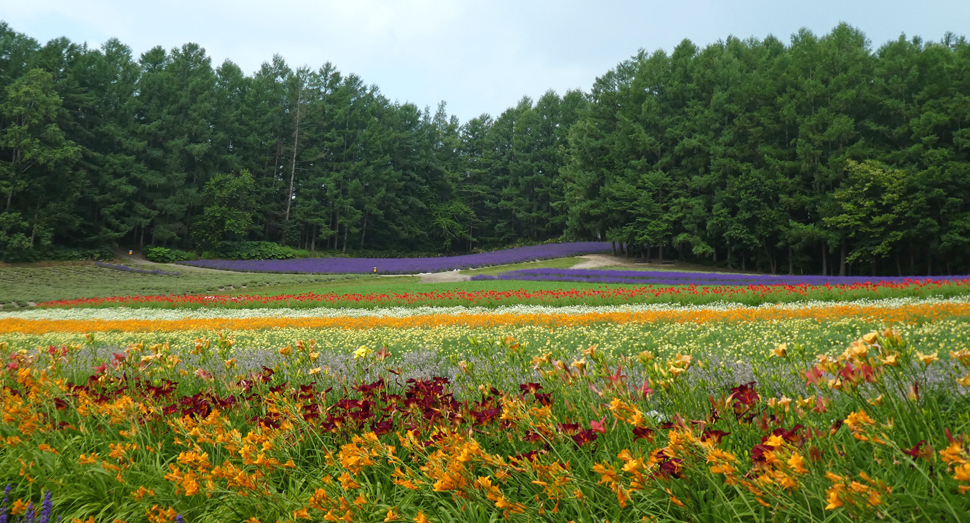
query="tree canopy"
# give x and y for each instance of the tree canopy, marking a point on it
(820, 155)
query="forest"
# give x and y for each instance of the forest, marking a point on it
(822, 155)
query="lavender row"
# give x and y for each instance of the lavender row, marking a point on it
(126, 268)
(407, 265)
(695, 278)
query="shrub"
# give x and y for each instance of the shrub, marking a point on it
(166, 255)
(254, 251)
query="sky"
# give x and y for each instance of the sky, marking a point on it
(479, 56)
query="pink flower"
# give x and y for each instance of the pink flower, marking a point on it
(598, 426)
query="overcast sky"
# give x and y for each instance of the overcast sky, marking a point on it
(480, 56)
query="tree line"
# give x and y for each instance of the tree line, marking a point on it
(817, 156)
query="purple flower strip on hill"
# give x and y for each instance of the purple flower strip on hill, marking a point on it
(699, 278)
(407, 265)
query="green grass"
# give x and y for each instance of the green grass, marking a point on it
(559, 263)
(23, 285)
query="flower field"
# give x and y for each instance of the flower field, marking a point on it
(212, 411)
(407, 265)
(712, 278)
(680, 294)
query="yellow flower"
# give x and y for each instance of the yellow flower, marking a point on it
(891, 360)
(965, 381)
(421, 518)
(580, 364)
(871, 337)
(927, 358)
(834, 496)
(780, 350)
(391, 515)
(797, 463)
(362, 352)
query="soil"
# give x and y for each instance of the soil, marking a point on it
(444, 277)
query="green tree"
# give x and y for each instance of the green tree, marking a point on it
(40, 171)
(228, 201)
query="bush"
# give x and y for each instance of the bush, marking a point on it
(166, 255)
(254, 251)
(49, 253)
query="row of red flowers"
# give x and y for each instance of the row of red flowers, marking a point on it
(779, 291)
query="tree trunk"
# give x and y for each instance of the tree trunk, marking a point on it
(791, 263)
(929, 265)
(33, 230)
(899, 265)
(842, 254)
(730, 265)
(772, 261)
(313, 239)
(363, 231)
(613, 248)
(660, 254)
(346, 233)
(825, 260)
(296, 142)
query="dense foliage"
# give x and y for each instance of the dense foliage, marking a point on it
(820, 156)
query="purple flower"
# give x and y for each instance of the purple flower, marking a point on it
(407, 265)
(3, 504)
(45, 513)
(699, 278)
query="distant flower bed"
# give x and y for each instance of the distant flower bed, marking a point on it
(710, 278)
(126, 268)
(407, 265)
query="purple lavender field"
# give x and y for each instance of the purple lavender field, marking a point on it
(406, 265)
(698, 278)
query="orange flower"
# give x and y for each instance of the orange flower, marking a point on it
(965, 381)
(421, 518)
(927, 358)
(674, 500)
(780, 350)
(797, 463)
(835, 496)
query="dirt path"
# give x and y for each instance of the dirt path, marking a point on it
(444, 277)
(593, 261)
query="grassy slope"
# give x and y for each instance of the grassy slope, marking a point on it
(23, 284)
(35, 284)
